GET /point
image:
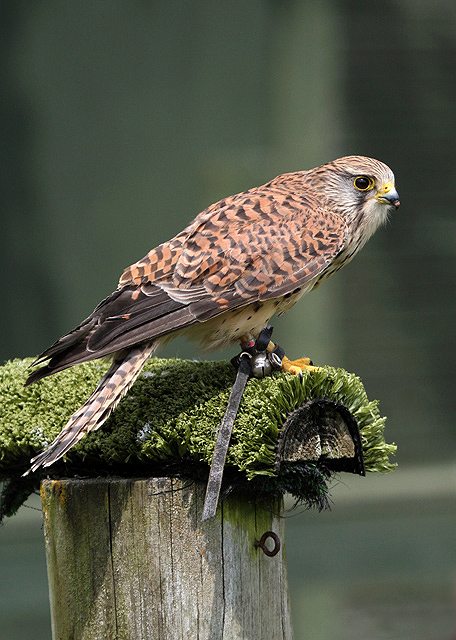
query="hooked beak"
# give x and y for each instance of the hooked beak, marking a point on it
(388, 195)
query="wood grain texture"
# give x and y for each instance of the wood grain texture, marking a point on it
(132, 559)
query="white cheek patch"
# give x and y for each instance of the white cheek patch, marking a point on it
(375, 214)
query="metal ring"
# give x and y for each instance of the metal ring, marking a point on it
(261, 543)
(275, 360)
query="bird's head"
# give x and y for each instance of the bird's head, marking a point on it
(360, 189)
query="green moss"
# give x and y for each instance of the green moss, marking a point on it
(174, 410)
(172, 413)
(31, 417)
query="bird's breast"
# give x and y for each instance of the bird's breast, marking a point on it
(229, 326)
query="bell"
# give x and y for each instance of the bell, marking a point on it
(260, 366)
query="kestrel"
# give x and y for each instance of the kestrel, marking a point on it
(221, 279)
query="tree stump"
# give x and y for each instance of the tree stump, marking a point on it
(131, 558)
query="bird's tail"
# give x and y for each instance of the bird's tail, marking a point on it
(112, 387)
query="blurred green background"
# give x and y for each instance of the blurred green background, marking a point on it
(122, 120)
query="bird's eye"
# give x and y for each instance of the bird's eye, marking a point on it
(363, 183)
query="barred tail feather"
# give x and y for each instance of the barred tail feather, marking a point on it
(110, 390)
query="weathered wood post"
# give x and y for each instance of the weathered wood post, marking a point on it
(132, 559)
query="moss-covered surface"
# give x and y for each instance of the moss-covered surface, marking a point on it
(169, 420)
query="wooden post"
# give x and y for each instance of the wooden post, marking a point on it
(131, 559)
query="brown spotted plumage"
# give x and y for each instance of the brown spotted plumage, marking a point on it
(222, 278)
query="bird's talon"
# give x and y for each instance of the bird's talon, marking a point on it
(298, 366)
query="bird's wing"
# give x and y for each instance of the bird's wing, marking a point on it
(254, 248)
(259, 245)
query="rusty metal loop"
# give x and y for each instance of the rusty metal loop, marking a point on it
(262, 543)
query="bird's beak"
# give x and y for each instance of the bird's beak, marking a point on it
(388, 195)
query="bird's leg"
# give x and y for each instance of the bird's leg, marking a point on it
(293, 366)
(247, 341)
(289, 366)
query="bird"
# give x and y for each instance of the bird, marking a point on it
(221, 279)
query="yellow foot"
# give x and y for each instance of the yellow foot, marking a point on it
(297, 366)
